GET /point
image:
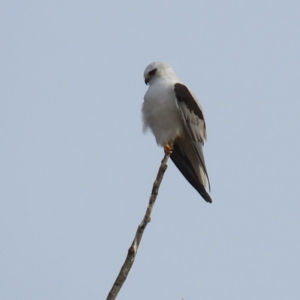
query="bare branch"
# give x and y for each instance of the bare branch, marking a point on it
(132, 251)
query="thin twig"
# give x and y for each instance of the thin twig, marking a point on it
(132, 251)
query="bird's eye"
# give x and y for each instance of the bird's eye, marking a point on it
(151, 73)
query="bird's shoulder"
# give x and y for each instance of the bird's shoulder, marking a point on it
(192, 112)
(187, 98)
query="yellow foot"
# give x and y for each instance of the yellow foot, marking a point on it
(168, 149)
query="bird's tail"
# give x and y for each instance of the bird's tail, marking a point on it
(187, 170)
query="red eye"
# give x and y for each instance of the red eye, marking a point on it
(151, 73)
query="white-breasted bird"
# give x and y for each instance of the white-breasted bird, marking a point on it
(176, 119)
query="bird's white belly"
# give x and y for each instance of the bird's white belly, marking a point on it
(162, 116)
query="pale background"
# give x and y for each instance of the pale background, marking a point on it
(76, 169)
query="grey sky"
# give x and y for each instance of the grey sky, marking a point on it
(76, 170)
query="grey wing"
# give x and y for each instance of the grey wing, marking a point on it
(194, 122)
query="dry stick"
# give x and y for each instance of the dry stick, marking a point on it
(139, 233)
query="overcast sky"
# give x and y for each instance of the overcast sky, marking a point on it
(77, 171)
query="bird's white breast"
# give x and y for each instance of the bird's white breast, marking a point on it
(160, 112)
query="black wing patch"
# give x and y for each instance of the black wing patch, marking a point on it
(183, 95)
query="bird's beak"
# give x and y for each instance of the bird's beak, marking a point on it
(147, 79)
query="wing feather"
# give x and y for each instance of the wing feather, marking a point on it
(185, 166)
(193, 120)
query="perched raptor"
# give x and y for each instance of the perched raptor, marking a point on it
(176, 119)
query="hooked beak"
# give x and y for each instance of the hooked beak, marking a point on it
(147, 79)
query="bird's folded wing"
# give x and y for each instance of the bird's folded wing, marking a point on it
(193, 120)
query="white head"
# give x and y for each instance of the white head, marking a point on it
(158, 70)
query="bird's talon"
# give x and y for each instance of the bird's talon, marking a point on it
(168, 149)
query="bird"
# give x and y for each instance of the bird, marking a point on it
(175, 117)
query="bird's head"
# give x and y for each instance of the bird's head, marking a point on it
(156, 70)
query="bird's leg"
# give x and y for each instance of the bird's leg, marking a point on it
(168, 148)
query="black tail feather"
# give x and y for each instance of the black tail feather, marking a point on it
(187, 170)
